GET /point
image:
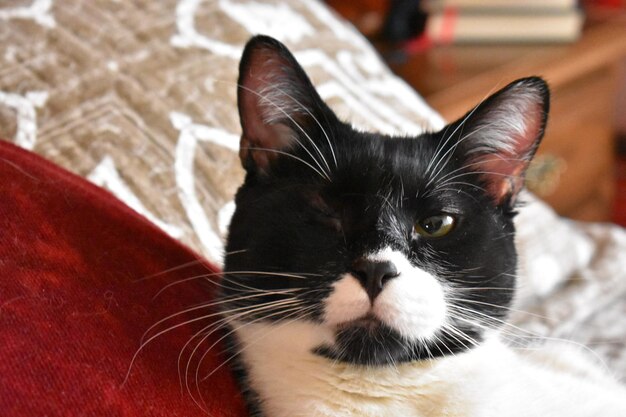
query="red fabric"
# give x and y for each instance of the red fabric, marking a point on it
(73, 306)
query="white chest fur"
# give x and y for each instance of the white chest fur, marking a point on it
(491, 380)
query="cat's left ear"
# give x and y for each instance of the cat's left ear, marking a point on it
(499, 137)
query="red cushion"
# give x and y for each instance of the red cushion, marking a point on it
(73, 304)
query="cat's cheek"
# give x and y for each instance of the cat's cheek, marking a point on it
(348, 301)
(413, 304)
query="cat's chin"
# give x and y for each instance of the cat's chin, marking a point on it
(367, 323)
(368, 341)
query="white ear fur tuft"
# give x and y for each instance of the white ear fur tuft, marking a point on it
(515, 118)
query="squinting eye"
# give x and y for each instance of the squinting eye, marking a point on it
(435, 226)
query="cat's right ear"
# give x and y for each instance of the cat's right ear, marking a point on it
(278, 104)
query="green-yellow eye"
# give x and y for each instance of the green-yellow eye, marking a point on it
(435, 226)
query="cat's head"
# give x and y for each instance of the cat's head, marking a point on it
(383, 249)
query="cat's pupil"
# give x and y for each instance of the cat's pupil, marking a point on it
(432, 224)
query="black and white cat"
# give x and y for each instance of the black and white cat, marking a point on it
(368, 275)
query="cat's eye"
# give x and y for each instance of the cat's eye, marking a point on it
(435, 226)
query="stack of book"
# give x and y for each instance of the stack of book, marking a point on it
(500, 21)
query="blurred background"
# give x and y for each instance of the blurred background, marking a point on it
(455, 52)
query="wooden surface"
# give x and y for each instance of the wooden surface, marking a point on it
(582, 77)
(453, 78)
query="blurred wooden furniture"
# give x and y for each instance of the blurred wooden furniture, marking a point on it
(575, 168)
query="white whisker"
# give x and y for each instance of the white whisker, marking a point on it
(320, 126)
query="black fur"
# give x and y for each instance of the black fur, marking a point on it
(290, 219)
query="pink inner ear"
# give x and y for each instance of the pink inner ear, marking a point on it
(265, 72)
(505, 170)
(261, 106)
(504, 177)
